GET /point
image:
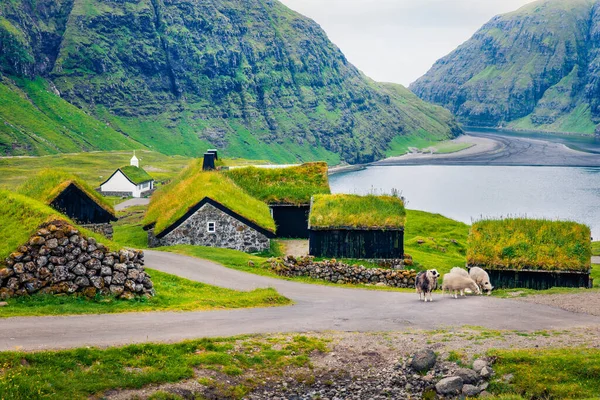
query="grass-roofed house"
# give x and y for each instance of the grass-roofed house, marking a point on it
(353, 226)
(43, 251)
(129, 181)
(208, 209)
(73, 197)
(531, 253)
(287, 191)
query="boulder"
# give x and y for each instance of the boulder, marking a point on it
(479, 364)
(423, 360)
(470, 390)
(486, 372)
(468, 375)
(449, 385)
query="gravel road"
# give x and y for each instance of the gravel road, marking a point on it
(317, 308)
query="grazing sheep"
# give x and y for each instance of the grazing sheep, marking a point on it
(459, 271)
(426, 282)
(482, 279)
(458, 283)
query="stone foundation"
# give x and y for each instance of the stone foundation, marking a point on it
(105, 230)
(59, 260)
(115, 194)
(230, 233)
(338, 272)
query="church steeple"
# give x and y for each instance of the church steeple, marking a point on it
(134, 161)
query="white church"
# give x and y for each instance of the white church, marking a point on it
(129, 181)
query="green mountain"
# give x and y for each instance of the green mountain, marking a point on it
(536, 68)
(252, 78)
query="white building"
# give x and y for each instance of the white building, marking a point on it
(131, 181)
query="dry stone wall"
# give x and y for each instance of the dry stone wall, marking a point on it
(58, 259)
(338, 272)
(105, 230)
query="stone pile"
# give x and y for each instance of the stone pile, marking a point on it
(338, 272)
(59, 260)
(417, 377)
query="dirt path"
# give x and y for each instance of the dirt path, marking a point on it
(296, 248)
(131, 203)
(317, 308)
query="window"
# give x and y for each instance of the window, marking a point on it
(211, 227)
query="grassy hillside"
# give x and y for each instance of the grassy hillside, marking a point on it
(255, 80)
(34, 120)
(533, 69)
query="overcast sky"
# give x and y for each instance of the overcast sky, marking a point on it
(399, 40)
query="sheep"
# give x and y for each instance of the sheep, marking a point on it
(482, 279)
(455, 283)
(459, 271)
(426, 282)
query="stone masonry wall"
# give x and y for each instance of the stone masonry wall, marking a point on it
(338, 272)
(105, 230)
(59, 260)
(230, 233)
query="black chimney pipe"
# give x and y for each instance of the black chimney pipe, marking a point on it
(209, 162)
(215, 152)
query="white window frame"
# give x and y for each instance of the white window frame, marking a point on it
(208, 227)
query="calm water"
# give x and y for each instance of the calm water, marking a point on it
(466, 193)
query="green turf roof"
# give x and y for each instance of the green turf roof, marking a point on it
(135, 174)
(293, 185)
(48, 184)
(346, 211)
(21, 218)
(173, 201)
(537, 244)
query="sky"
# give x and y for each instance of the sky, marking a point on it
(399, 40)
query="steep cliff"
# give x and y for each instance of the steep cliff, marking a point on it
(535, 68)
(253, 78)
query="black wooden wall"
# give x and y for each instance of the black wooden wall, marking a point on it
(357, 244)
(537, 280)
(78, 206)
(291, 221)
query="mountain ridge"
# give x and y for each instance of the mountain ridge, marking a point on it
(536, 68)
(257, 80)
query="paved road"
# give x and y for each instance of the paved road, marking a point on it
(131, 203)
(595, 260)
(511, 151)
(316, 308)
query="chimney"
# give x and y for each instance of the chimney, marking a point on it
(209, 162)
(215, 152)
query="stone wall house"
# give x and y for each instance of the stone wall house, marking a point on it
(211, 224)
(74, 198)
(128, 181)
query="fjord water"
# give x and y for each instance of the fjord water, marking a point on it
(467, 193)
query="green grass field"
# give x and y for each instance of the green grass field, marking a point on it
(172, 294)
(596, 248)
(93, 167)
(451, 147)
(571, 373)
(88, 372)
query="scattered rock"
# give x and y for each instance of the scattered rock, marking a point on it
(3, 304)
(486, 372)
(468, 375)
(479, 364)
(470, 390)
(423, 360)
(450, 385)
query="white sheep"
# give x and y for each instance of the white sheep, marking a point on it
(482, 279)
(426, 282)
(459, 271)
(458, 283)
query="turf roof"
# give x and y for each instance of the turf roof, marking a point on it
(347, 211)
(50, 183)
(135, 174)
(173, 201)
(293, 185)
(21, 218)
(530, 244)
